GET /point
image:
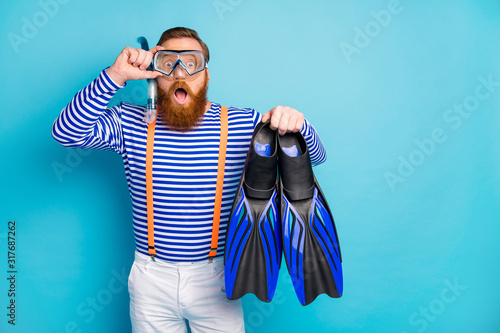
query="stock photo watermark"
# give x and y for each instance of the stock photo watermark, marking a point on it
(363, 36)
(30, 26)
(454, 116)
(75, 157)
(425, 315)
(92, 305)
(11, 273)
(224, 6)
(263, 311)
(138, 94)
(257, 317)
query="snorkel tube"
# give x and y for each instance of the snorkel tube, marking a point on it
(151, 107)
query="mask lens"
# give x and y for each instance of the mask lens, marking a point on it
(191, 61)
(165, 62)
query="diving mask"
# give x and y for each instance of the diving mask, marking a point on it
(171, 63)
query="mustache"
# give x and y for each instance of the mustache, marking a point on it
(180, 85)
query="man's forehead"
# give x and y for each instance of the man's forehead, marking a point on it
(180, 44)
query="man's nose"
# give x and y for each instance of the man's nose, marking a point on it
(179, 73)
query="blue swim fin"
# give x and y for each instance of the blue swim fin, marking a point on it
(252, 255)
(310, 241)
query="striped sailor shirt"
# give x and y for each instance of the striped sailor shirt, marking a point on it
(184, 165)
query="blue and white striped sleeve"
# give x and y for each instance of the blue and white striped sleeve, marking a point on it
(86, 122)
(317, 151)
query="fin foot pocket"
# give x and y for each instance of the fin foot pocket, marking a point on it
(310, 241)
(253, 239)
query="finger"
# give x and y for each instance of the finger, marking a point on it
(283, 124)
(132, 57)
(152, 74)
(124, 55)
(141, 56)
(127, 50)
(275, 114)
(290, 126)
(147, 60)
(156, 49)
(150, 55)
(299, 123)
(266, 116)
(295, 121)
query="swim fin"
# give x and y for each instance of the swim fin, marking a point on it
(252, 255)
(310, 240)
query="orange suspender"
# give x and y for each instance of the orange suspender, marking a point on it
(218, 191)
(220, 181)
(149, 187)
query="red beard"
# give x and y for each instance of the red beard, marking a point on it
(183, 118)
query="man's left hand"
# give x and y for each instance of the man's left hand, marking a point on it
(284, 119)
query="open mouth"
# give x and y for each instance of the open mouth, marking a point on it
(180, 95)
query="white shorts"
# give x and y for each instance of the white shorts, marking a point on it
(164, 295)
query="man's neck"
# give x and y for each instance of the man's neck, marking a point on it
(208, 106)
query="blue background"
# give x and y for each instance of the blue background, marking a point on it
(418, 221)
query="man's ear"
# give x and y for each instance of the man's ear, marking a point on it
(208, 75)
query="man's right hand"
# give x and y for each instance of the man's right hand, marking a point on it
(131, 64)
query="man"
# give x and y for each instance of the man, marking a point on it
(180, 283)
